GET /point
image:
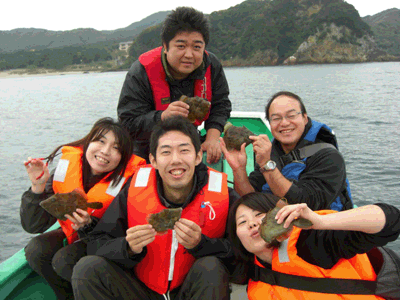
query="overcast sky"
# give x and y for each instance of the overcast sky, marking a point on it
(110, 15)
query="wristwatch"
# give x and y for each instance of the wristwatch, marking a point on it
(269, 166)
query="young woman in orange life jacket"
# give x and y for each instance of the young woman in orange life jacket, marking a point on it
(99, 164)
(328, 249)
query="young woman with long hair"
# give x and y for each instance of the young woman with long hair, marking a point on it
(334, 247)
(98, 165)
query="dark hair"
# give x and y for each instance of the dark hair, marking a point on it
(284, 93)
(176, 123)
(100, 128)
(262, 202)
(185, 19)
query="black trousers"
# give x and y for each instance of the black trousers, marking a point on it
(48, 257)
(95, 277)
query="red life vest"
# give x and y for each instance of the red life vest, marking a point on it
(152, 63)
(68, 176)
(285, 260)
(167, 260)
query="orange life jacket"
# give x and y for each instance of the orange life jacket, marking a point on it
(285, 260)
(152, 63)
(68, 176)
(167, 260)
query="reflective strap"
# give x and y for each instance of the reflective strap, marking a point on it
(310, 150)
(283, 252)
(114, 190)
(174, 248)
(142, 177)
(61, 170)
(215, 182)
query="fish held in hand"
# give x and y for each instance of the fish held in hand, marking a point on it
(165, 219)
(198, 107)
(270, 230)
(61, 204)
(235, 136)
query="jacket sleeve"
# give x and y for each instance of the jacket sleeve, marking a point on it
(219, 247)
(325, 248)
(220, 104)
(321, 182)
(107, 239)
(34, 219)
(136, 109)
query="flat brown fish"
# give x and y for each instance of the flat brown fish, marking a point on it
(61, 204)
(165, 219)
(235, 136)
(199, 107)
(270, 230)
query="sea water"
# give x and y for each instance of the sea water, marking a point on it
(360, 102)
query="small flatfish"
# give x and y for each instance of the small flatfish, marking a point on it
(235, 136)
(270, 230)
(61, 204)
(165, 219)
(198, 107)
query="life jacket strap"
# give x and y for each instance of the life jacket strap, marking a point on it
(311, 284)
(299, 154)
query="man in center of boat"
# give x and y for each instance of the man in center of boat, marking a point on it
(181, 66)
(129, 259)
(302, 163)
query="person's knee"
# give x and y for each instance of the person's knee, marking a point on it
(35, 250)
(208, 263)
(62, 264)
(88, 267)
(211, 269)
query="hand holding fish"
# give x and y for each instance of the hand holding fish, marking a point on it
(293, 212)
(176, 108)
(213, 149)
(38, 173)
(79, 218)
(140, 236)
(188, 233)
(262, 148)
(236, 159)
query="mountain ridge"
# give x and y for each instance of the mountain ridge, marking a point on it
(252, 33)
(38, 39)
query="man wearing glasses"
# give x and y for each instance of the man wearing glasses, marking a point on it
(302, 162)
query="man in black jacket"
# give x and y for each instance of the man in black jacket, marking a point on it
(130, 258)
(157, 80)
(302, 162)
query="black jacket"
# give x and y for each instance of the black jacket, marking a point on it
(322, 181)
(108, 238)
(136, 108)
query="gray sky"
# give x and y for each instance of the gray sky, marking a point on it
(101, 15)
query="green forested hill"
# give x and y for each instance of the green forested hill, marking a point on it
(264, 32)
(255, 32)
(38, 39)
(386, 28)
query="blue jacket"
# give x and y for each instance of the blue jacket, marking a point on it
(294, 163)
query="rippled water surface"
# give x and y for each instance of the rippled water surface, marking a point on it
(360, 102)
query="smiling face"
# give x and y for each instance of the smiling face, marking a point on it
(103, 155)
(248, 222)
(288, 131)
(176, 160)
(185, 53)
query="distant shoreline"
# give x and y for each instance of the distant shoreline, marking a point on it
(44, 72)
(22, 73)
